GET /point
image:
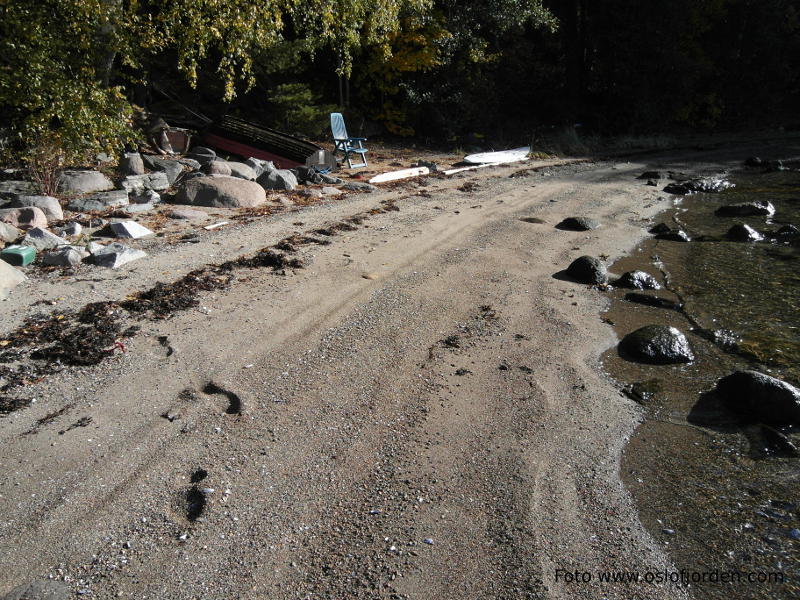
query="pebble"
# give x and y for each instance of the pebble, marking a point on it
(668, 531)
(428, 541)
(794, 534)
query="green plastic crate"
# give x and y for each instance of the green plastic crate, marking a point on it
(18, 255)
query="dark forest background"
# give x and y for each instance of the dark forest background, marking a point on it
(439, 71)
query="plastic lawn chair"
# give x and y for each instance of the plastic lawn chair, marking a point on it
(345, 143)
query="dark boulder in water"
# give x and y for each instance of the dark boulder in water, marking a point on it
(588, 269)
(679, 189)
(650, 175)
(753, 161)
(660, 228)
(578, 224)
(657, 344)
(707, 185)
(638, 280)
(760, 397)
(747, 209)
(743, 233)
(788, 230)
(674, 235)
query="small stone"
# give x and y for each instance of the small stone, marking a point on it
(743, 233)
(359, 186)
(131, 164)
(578, 224)
(8, 233)
(71, 229)
(657, 344)
(428, 541)
(115, 255)
(794, 534)
(668, 531)
(129, 229)
(41, 239)
(588, 269)
(675, 235)
(331, 191)
(64, 256)
(638, 280)
(187, 213)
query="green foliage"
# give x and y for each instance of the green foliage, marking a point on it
(297, 110)
(61, 61)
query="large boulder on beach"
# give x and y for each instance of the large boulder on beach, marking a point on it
(50, 206)
(278, 179)
(743, 233)
(10, 277)
(588, 269)
(13, 188)
(746, 209)
(84, 182)
(99, 201)
(131, 164)
(221, 192)
(42, 239)
(8, 233)
(171, 168)
(578, 224)
(657, 344)
(760, 397)
(24, 218)
(638, 280)
(216, 167)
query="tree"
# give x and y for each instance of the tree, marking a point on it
(65, 64)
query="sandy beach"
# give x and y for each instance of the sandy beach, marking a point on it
(417, 413)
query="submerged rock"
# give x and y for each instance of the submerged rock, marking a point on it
(760, 397)
(674, 235)
(658, 344)
(746, 209)
(789, 230)
(588, 269)
(707, 185)
(743, 233)
(650, 175)
(638, 280)
(578, 224)
(660, 228)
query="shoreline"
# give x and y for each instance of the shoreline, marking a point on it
(351, 406)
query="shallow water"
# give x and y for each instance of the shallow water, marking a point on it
(719, 498)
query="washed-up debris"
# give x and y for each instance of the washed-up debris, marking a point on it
(401, 174)
(215, 225)
(115, 255)
(18, 255)
(41, 239)
(163, 299)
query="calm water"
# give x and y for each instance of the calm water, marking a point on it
(714, 496)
